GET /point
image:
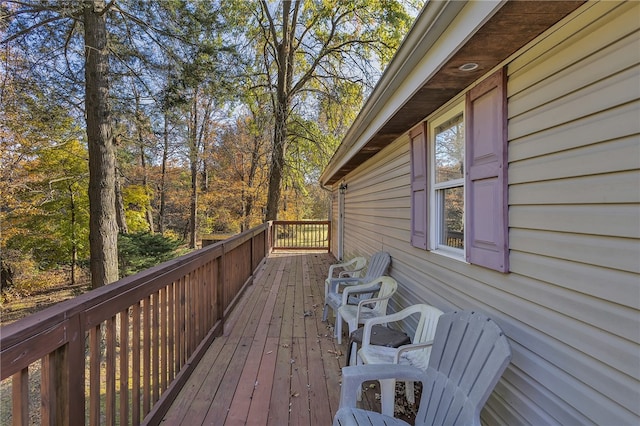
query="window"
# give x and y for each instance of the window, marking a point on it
(459, 178)
(447, 191)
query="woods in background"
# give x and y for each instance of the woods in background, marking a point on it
(178, 118)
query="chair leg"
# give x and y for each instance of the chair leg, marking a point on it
(359, 394)
(411, 397)
(353, 360)
(325, 312)
(388, 396)
(338, 327)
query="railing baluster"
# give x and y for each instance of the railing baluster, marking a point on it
(181, 319)
(47, 392)
(146, 356)
(174, 348)
(110, 371)
(197, 307)
(124, 367)
(135, 363)
(163, 338)
(155, 345)
(94, 375)
(20, 396)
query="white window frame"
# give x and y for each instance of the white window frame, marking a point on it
(447, 113)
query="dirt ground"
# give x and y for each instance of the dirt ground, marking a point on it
(19, 307)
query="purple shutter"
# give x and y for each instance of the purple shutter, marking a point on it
(418, 187)
(486, 176)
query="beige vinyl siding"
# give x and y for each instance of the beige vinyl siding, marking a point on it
(574, 215)
(571, 303)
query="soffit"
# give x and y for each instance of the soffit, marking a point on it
(514, 25)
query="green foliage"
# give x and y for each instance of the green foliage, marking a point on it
(50, 218)
(193, 84)
(136, 200)
(140, 251)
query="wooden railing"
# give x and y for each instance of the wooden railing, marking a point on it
(455, 239)
(301, 235)
(120, 354)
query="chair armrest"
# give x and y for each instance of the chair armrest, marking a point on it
(354, 376)
(368, 302)
(410, 347)
(344, 265)
(332, 284)
(346, 280)
(333, 267)
(360, 288)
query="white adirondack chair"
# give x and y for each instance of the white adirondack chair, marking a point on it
(468, 356)
(415, 354)
(378, 292)
(378, 265)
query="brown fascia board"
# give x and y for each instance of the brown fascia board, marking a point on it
(513, 26)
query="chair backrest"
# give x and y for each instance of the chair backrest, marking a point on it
(358, 265)
(378, 265)
(388, 287)
(469, 355)
(351, 268)
(425, 332)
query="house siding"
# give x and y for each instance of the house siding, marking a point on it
(571, 302)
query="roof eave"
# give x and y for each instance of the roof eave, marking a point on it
(423, 74)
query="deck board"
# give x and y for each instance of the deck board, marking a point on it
(277, 363)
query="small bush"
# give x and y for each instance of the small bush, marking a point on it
(137, 252)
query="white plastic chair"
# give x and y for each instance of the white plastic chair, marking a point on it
(378, 265)
(350, 269)
(415, 354)
(381, 289)
(468, 356)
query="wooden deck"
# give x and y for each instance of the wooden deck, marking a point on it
(277, 362)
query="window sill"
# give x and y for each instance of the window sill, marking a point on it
(451, 253)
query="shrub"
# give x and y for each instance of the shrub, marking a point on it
(137, 252)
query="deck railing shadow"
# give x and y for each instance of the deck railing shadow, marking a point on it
(120, 354)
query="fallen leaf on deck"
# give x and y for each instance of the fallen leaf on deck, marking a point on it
(270, 352)
(295, 394)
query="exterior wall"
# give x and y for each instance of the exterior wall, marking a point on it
(571, 303)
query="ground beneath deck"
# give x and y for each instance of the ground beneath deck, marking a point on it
(277, 362)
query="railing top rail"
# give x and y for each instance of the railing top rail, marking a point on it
(301, 222)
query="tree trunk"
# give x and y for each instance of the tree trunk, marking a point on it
(163, 177)
(143, 163)
(277, 162)
(193, 159)
(103, 230)
(282, 103)
(194, 205)
(121, 218)
(74, 236)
